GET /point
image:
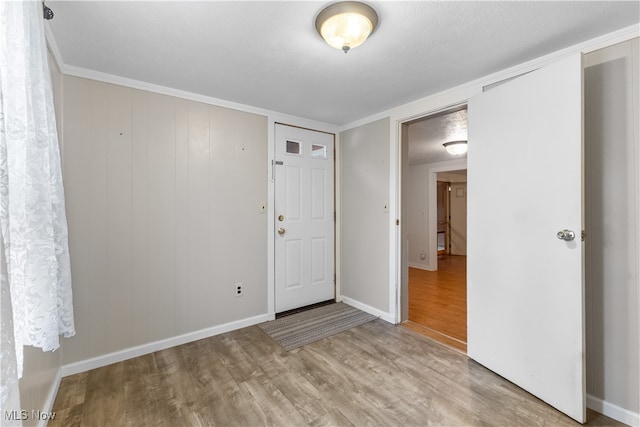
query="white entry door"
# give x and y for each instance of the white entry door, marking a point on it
(304, 217)
(525, 288)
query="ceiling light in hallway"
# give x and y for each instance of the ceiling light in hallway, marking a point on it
(456, 147)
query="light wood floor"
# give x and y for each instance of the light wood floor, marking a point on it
(438, 301)
(375, 374)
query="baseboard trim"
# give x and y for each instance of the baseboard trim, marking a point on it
(426, 267)
(613, 411)
(140, 350)
(368, 309)
(51, 398)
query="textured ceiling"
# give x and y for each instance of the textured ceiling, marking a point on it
(268, 54)
(426, 136)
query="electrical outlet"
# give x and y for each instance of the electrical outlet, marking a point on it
(239, 289)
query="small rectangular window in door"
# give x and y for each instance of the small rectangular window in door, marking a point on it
(294, 147)
(318, 151)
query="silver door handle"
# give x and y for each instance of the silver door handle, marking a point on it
(566, 235)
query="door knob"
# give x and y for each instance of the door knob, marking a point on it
(281, 230)
(566, 235)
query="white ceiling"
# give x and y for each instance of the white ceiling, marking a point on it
(268, 54)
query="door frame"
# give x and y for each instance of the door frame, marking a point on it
(399, 265)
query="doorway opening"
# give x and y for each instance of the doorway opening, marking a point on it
(434, 189)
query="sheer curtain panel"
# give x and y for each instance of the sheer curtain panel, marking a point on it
(32, 213)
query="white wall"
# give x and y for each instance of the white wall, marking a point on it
(39, 383)
(612, 253)
(417, 207)
(162, 199)
(364, 229)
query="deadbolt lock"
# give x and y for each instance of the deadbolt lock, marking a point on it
(281, 218)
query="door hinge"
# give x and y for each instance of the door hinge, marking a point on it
(583, 235)
(397, 222)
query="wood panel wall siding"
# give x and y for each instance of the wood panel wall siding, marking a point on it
(162, 204)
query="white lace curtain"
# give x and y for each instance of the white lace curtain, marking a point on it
(32, 213)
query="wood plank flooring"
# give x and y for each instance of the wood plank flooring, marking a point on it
(438, 301)
(375, 374)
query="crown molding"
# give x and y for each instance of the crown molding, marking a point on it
(276, 116)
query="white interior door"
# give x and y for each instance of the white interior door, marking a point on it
(525, 285)
(304, 218)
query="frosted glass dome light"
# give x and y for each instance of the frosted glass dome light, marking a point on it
(346, 25)
(456, 147)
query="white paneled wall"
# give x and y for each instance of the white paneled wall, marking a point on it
(163, 200)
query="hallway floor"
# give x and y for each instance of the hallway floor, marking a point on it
(438, 301)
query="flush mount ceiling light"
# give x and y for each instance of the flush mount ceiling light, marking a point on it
(347, 24)
(456, 147)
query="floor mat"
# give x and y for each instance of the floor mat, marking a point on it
(313, 325)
